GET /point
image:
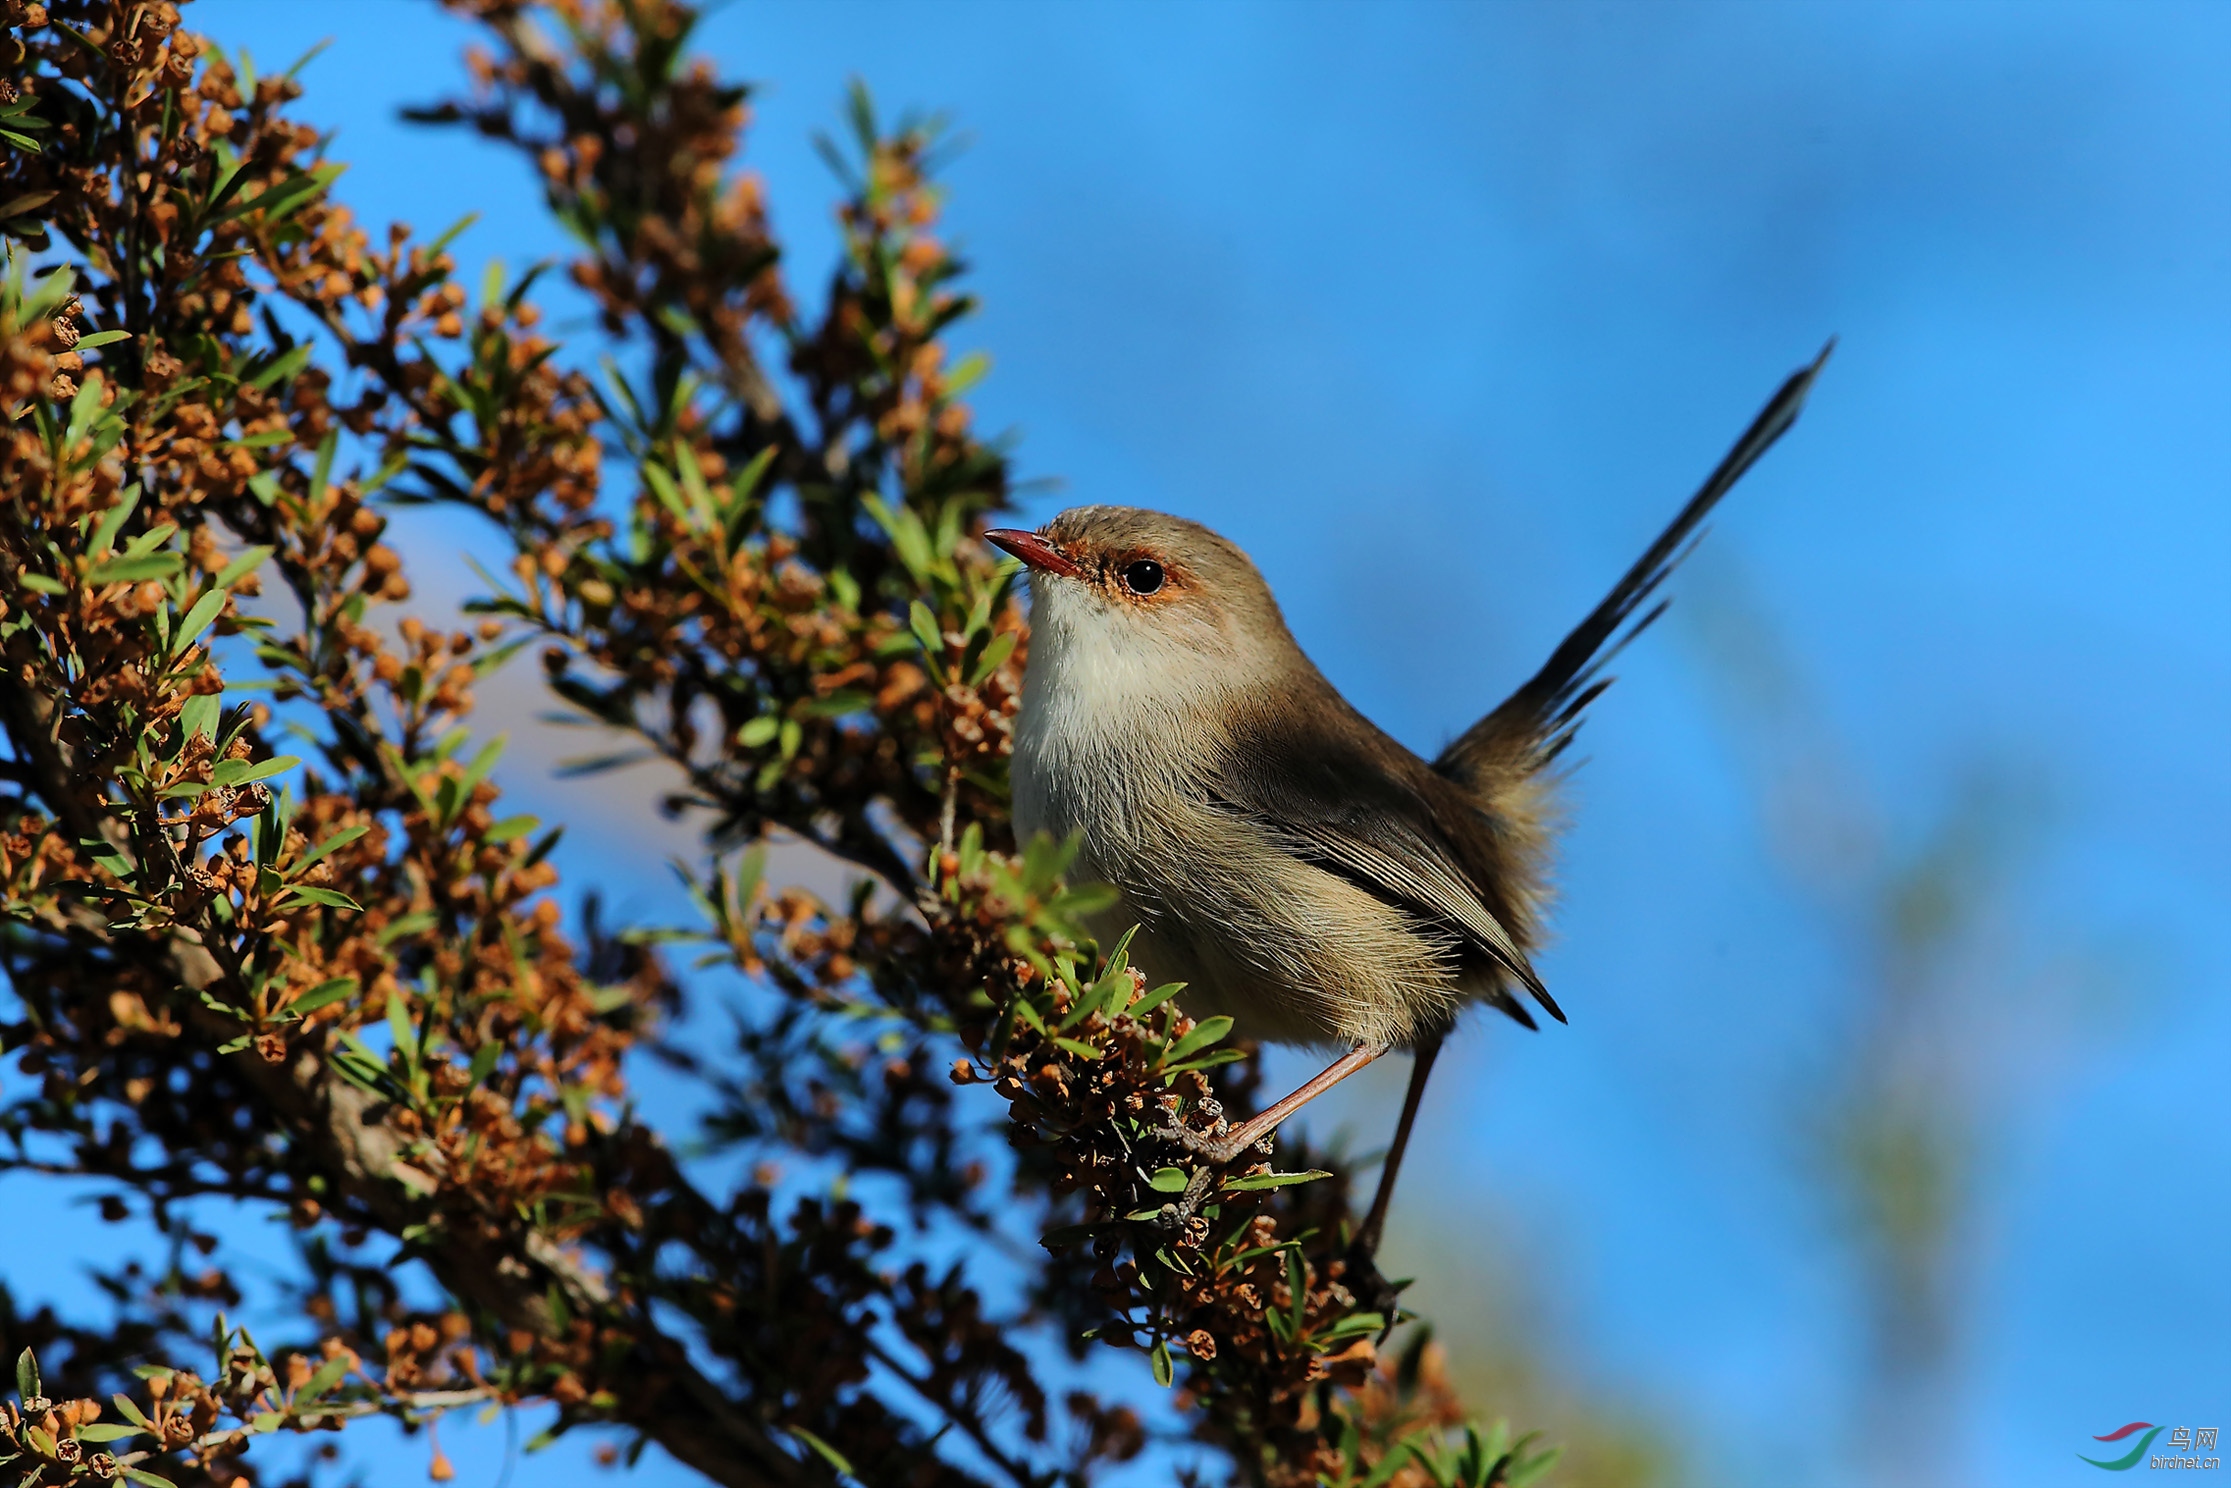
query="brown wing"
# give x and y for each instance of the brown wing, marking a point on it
(1337, 793)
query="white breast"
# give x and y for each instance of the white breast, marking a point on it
(1114, 705)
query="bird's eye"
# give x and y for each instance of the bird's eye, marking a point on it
(1144, 576)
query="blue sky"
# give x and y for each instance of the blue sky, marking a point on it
(1439, 310)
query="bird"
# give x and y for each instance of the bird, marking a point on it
(1297, 868)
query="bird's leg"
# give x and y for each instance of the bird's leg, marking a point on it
(1375, 1223)
(1221, 1150)
(1362, 1278)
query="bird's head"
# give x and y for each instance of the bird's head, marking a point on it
(1146, 601)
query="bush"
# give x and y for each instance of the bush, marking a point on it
(337, 983)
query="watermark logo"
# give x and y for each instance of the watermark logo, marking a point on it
(2184, 1444)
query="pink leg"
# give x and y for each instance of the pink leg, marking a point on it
(1253, 1130)
(1367, 1239)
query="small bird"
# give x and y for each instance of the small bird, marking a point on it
(1289, 862)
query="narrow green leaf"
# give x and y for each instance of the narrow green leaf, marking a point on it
(403, 927)
(329, 1374)
(1169, 1180)
(311, 894)
(995, 656)
(1273, 1180)
(1154, 999)
(131, 570)
(106, 1431)
(246, 772)
(112, 522)
(406, 1032)
(923, 623)
(198, 619)
(450, 236)
(509, 828)
(822, 1449)
(1206, 1032)
(324, 994)
(248, 561)
(481, 764)
(339, 839)
(282, 368)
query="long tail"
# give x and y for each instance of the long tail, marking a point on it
(1535, 723)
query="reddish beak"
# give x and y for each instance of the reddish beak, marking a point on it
(1034, 550)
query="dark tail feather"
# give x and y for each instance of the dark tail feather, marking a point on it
(1540, 717)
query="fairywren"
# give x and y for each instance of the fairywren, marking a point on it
(1297, 868)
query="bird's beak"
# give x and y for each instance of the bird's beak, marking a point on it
(1034, 551)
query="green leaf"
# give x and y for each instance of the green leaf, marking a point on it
(994, 657)
(112, 522)
(1154, 999)
(282, 367)
(247, 772)
(129, 1411)
(1163, 1373)
(450, 236)
(329, 1374)
(1169, 1180)
(1524, 1471)
(106, 1431)
(477, 771)
(403, 927)
(1348, 1327)
(263, 439)
(1273, 1180)
(311, 894)
(1210, 1060)
(131, 570)
(923, 623)
(41, 584)
(147, 1479)
(405, 1032)
(339, 839)
(27, 1375)
(822, 1449)
(324, 994)
(100, 338)
(509, 828)
(198, 619)
(1206, 1032)
(249, 560)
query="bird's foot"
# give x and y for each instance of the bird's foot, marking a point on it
(1373, 1292)
(1217, 1147)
